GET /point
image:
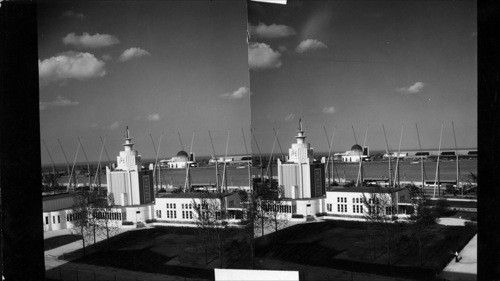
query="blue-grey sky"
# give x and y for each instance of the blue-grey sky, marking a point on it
(360, 63)
(171, 66)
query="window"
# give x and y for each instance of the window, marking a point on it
(58, 219)
(338, 199)
(338, 208)
(354, 208)
(353, 200)
(46, 220)
(190, 215)
(53, 219)
(190, 206)
(329, 207)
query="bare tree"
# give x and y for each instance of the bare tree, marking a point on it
(211, 218)
(83, 207)
(108, 224)
(381, 220)
(421, 221)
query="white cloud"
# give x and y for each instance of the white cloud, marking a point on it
(90, 41)
(154, 117)
(238, 94)
(270, 31)
(70, 65)
(310, 45)
(59, 101)
(290, 117)
(115, 125)
(133, 53)
(413, 89)
(261, 56)
(329, 110)
(71, 14)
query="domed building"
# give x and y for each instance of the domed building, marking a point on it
(355, 154)
(179, 161)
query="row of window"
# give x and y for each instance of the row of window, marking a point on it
(187, 215)
(342, 208)
(171, 206)
(99, 215)
(277, 208)
(53, 219)
(187, 206)
(171, 214)
(342, 199)
(357, 209)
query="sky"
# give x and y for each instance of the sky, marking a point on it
(180, 67)
(160, 66)
(364, 64)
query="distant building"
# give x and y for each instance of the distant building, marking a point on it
(180, 161)
(356, 154)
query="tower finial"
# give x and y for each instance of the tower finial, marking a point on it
(128, 134)
(300, 124)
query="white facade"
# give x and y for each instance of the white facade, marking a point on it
(350, 201)
(181, 206)
(299, 176)
(129, 184)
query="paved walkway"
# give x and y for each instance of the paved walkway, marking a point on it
(466, 268)
(451, 221)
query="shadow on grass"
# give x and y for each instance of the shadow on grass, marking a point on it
(344, 245)
(58, 241)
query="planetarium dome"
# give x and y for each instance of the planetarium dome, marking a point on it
(356, 147)
(182, 153)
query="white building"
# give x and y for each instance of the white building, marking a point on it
(180, 161)
(350, 202)
(180, 207)
(302, 180)
(355, 154)
(129, 184)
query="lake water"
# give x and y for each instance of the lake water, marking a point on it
(379, 169)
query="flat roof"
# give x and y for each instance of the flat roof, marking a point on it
(367, 189)
(195, 195)
(56, 196)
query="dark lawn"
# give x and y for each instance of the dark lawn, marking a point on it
(58, 241)
(163, 250)
(346, 245)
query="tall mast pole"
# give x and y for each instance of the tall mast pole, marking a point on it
(328, 158)
(97, 172)
(270, 158)
(260, 155)
(180, 140)
(155, 177)
(360, 170)
(51, 160)
(422, 170)
(224, 177)
(437, 179)
(67, 162)
(456, 155)
(216, 164)
(73, 167)
(396, 175)
(88, 164)
(187, 183)
(106, 151)
(389, 154)
(279, 144)
(249, 162)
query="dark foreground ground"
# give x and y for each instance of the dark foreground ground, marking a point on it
(320, 251)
